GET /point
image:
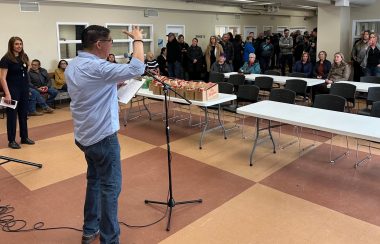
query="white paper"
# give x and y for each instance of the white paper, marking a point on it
(128, 90)
(4, 104)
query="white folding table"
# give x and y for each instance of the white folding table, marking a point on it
(346, 124)
(222, 98)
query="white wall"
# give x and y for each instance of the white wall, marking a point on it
(38, 30)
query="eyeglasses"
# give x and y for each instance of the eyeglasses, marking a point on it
(106, 40)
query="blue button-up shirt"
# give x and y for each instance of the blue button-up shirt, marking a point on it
(92, 86)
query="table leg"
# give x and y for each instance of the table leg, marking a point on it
(255, 142)
(204, 128)
(220, 121)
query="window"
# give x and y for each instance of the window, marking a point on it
(280, 29)
(122, 44)
(175, 29)
(222, 29)
(69, 39)
(248, 29)
(361, 25)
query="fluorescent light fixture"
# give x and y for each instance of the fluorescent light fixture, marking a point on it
(305, 7)
(245, 1)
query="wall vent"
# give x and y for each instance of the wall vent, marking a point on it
(150, 13)
(27, 6)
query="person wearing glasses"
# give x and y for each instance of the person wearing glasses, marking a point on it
(15, 83)
(92, 86)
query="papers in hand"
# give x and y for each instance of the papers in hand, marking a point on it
(13, 104)
(128, 90)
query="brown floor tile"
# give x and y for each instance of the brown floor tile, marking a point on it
(355, 192)
(145, 177)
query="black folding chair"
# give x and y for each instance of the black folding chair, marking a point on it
(345, 90)
(373, 96)
(299, 87)
(375, 112)
(334, 103)
(297, 74)
(265, 84)
(216, 77)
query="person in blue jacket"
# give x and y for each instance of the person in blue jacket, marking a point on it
(248, 48)
(304, 65)
(251, 67)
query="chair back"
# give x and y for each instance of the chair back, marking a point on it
(265, 83)
(216, 77)
(344, 90)
(283, 96)
(370, 79)
(375, 111)
(236, 80)
(297, 74)
(297, 85)
(373, 95)
(248, 93)
(330, 102)
(272, 72)
(225, 87)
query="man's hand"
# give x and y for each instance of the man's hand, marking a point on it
(328, 81)
(135, 34)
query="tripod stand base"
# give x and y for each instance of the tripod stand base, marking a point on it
(7, 160)
(171, 203)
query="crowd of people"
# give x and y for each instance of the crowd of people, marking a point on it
(288, 52)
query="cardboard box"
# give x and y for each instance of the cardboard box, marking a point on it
(207, 93)
(157, 90)
(190, 94)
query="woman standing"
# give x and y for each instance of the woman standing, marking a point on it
(212, 52)
(195, 60)
(59, 76)
(162, 63)
(14, 79)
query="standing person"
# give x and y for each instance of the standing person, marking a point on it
(276, 54)
(228, 49)
(162, 63)
(195, 55)
(92, 85)
(184, 58)
(212, 53)
(59, 76)
(238, 51)
(266, 51)
(173, 57)
(111, 58)
(371, 61)
(358, 53)
(286, 46)
(14, 80)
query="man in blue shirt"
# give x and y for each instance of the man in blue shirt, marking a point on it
(92, 86)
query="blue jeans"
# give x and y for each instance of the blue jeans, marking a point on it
(175, 70)
(34, 99)
(52, 94)
(372, 71)
(103, 189)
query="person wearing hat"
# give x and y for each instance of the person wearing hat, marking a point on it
(266, 51)
(173, 57)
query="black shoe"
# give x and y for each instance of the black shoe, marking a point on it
(27, 141)
(87, 239)
(14, 145)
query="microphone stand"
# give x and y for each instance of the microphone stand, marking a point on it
(170, 202)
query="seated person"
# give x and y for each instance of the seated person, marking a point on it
(39, 80)
(161, 60)
(220, 66)
(34, 99)
(151, 63)
(322, 67)
(111, 58)
(59, 76)
(250, 67)
(304, 65)
(340, 70)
